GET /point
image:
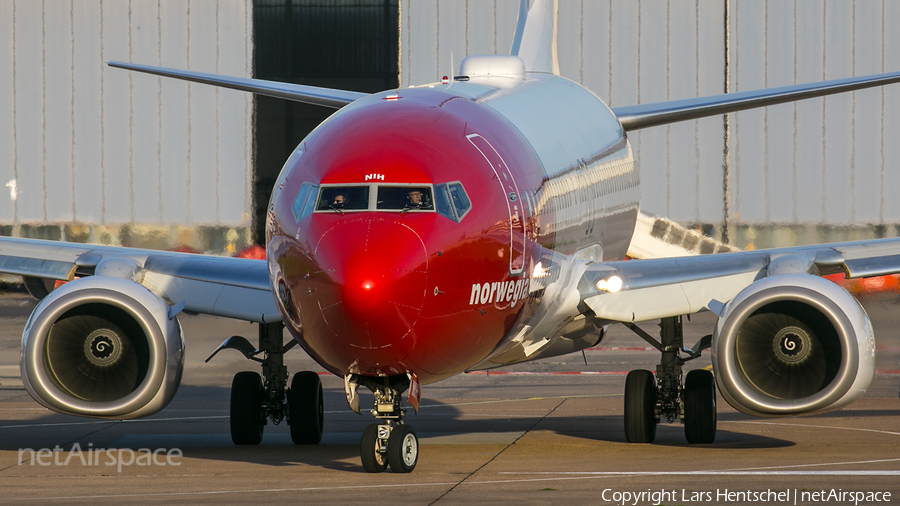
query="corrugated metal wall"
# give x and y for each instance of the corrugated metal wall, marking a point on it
(343, 44)
(87, 144)
(818, 163)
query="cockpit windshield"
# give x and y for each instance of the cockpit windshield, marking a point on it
(343, 198)
(446, 199)
(405, 198)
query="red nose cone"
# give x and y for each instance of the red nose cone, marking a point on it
(376, 290)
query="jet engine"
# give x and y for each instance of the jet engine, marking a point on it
(102, 347)
(793, 344)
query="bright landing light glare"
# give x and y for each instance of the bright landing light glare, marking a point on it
(611, 285)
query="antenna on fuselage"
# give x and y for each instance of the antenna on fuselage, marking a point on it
(450, 81)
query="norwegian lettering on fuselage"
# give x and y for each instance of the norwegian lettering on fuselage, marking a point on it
(499, 291)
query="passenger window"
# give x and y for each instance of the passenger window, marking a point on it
(406, 198)
(297, 207)
(343, 198)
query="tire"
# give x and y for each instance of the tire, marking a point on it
(306, 408)
(372, 460)
(246, 408)
(640, 407)
(403, 449)
(700, 407)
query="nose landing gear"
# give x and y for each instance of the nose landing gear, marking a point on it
(389, 442)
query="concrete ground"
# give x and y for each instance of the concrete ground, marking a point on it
(526, 435)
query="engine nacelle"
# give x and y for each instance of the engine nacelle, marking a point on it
(793, 344)
(102, 347)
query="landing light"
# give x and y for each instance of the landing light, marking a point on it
(611, 285)
(539, 271)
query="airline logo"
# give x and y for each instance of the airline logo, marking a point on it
(374, 177)
(504, 291)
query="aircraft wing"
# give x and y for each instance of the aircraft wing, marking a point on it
(660, 288)
(232, 287)
(326, 97)
(636, 117)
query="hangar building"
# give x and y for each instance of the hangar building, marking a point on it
(90, 153)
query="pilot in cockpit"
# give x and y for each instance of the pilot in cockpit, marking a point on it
(340, 200)
(415, 198)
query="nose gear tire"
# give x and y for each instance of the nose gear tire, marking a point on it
(373, 461)
(403, 449)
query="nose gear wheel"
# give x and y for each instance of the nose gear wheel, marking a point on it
(389, 442)
(372, 450)
(403, 449)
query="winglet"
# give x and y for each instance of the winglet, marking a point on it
(535, 40)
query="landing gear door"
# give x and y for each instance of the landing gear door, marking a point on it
(513, 202)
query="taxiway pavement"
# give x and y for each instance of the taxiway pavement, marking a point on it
(548, 432)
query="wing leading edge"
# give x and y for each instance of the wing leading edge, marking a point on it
(661, 288)
(636, 117)
(326, 97)
(231, 287)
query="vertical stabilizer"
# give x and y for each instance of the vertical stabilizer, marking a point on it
(535, 39)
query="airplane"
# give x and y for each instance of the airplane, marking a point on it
(467, 224)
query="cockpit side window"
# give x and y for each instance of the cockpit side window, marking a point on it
(299, 201)
(406, 198)
(442, 202)
(305, 201)
(459, 198)
(451, 200)
(343, 198)
(310, 202)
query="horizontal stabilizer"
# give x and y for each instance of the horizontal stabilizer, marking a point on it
(636, 117)
(325, 97)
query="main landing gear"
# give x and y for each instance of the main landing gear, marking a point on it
(648, 399)
(390, 442)
(256, 399)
